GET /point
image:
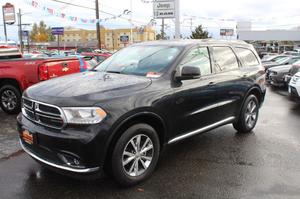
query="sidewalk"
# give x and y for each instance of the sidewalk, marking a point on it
(9, 143)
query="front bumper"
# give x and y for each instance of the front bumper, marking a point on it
(276, 80)
(56, 165)
(73, 149)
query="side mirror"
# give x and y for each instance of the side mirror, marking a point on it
(189, 72)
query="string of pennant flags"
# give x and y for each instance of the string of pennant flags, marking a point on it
(54, 12)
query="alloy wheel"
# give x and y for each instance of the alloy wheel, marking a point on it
(251, 114)
(137, 155)
(9, 99)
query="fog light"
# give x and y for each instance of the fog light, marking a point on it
(69, 160)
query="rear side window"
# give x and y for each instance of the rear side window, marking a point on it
(247, 56)
(224, 59)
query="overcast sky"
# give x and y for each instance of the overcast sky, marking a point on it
(264, 14)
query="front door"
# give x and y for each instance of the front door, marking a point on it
(195, 100)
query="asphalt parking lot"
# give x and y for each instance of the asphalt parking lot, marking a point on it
(217, 164)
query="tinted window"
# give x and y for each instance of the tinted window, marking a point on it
(247, 56)
(198, 57)
(224, 59)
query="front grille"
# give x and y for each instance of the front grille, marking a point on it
(42, 114)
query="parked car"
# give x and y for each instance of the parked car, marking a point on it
(9, 52)
(99, 57)
(292, 53)
(294, 69)
(32, 56)
(17, 74)
(294, 86)
(144, 97)
(277, 76)
(273, 58)
(284, 61)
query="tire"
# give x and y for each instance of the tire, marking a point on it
(124, 151)
(248, 116)
(10, 98)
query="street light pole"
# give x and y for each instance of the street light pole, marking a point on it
(131, 39)
(98, 25)
(4, 25)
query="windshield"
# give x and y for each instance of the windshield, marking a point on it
(140, 60)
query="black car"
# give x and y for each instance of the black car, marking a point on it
(276, 76)
(118, 117)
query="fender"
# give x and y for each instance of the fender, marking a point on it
(115, 134)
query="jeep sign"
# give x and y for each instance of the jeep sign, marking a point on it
(163, 9)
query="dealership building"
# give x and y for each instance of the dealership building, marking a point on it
(269, 40)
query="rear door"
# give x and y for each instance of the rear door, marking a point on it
(227, 82)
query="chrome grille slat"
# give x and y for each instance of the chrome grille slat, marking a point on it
(43, 112)
(42, 117)
(51, 117)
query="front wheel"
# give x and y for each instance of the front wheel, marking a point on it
(135, 154)
(10, 98)
(248, 116)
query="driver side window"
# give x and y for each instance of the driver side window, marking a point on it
(198, 57)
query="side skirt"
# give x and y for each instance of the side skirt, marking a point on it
(203, 129)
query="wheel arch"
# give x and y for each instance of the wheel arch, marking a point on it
(255, 90)
(10, 81)
(146, 117)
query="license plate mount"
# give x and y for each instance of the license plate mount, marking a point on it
(27, 136)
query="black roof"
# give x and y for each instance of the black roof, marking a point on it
(191, 42)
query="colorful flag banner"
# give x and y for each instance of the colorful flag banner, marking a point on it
(56, 13)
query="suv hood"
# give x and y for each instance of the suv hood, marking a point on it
(86, 88)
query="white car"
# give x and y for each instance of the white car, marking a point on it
(294, 86)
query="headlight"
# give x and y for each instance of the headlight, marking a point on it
(84, 115)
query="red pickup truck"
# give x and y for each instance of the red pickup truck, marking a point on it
(17, 74)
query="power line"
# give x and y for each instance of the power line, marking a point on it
(81, 6)
(72, 4)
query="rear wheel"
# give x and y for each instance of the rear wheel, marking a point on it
(248, 116)
(135, 155)
(10, 98)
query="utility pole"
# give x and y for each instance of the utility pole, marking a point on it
(20, 30)
(163, 28)
(98, 25)
(177, 20)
